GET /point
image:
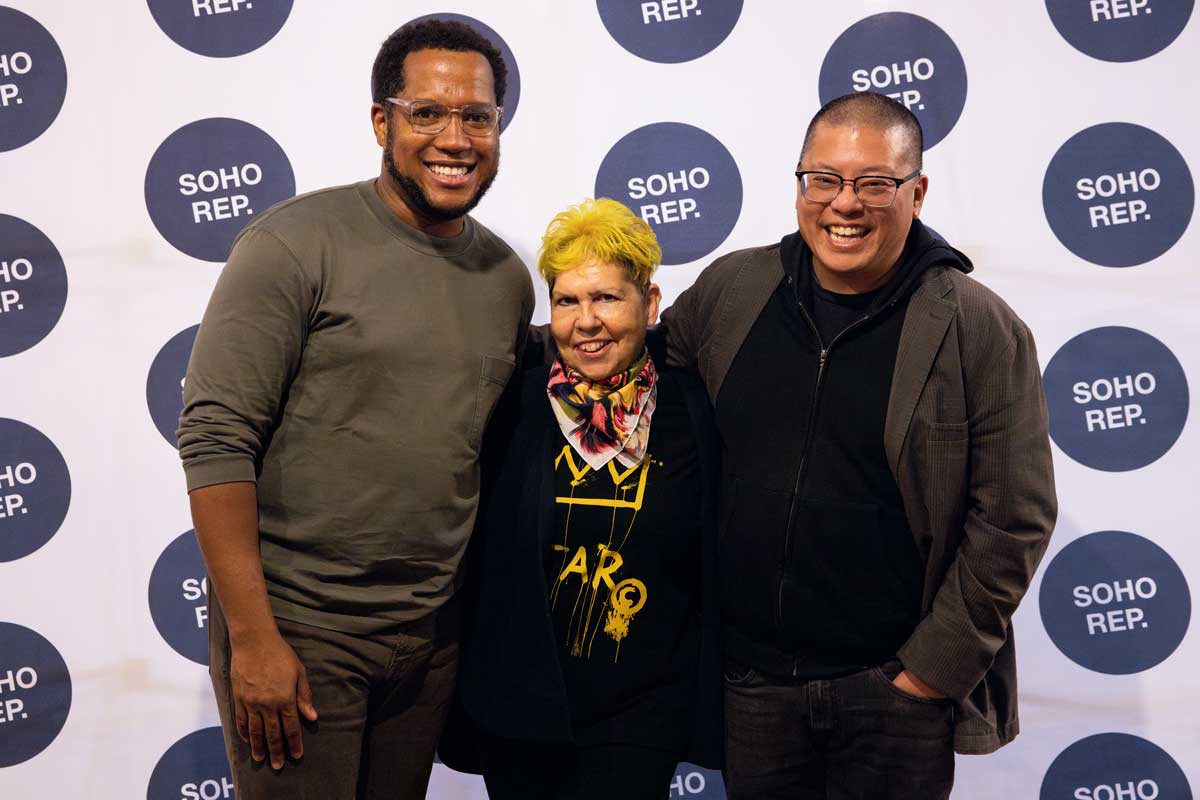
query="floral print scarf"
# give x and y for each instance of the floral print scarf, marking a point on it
(609, 418)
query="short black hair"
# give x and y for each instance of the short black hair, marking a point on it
(874, 109)
(387, 75)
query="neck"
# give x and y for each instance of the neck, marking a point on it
(393, 198)
(854, 283)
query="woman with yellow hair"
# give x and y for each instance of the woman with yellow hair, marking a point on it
(590, 659)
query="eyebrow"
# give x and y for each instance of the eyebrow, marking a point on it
(555, 293)
(873, 169)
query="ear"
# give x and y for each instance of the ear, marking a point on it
(919, 194)
(653, 298)
(379, 121)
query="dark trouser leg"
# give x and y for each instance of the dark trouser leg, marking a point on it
(626, 771)
(407, 714)
(772, 752)
(515, 770)
(338, 668)
(889, 745)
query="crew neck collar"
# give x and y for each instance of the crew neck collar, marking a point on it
(416, 239)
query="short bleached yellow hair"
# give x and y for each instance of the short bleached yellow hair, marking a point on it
(599, 230)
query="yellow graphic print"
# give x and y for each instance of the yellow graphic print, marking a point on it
(622, 600)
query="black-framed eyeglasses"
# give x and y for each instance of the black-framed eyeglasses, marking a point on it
(431, 117)
(877, 191)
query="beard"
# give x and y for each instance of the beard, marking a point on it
(416, 198)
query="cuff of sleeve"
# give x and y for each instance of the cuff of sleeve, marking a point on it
(932, 655)
(223, 469)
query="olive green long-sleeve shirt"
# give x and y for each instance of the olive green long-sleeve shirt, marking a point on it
(348, 364)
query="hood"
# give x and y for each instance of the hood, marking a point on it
(922, 250)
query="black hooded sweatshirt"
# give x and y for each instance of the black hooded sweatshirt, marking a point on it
(820, 573)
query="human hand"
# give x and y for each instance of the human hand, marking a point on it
(270, 693)
(911, 684)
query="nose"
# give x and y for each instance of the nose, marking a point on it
(847, 200)
(452, 138)
(586, 320)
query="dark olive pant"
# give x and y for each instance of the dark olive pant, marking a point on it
(856, 737)
(381, 702)
(516, 770)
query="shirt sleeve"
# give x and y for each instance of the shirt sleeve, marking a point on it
(245, 357)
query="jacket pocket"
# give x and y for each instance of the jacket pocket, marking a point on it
(948, 432)
(493, 377)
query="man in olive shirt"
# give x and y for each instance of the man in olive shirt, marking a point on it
(351, 355)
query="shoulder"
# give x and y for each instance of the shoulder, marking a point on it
(320, 207)
(987, 326)
(725, 269)
(496, 253)
(980, 310)
(301, 225)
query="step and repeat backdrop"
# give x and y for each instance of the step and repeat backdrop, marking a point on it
(137, 138)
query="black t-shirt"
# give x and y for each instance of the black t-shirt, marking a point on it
(833, 312)
(623, 569)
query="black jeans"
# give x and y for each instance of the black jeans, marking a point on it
(517, 770)
(857, 737)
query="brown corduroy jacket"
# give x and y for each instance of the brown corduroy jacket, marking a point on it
(967, 441)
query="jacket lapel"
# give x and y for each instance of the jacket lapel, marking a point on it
(925, 324)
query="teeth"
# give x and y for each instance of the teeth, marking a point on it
(846, 233)
(439, 169)
(591, 347)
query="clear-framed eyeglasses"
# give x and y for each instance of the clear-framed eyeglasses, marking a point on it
(877, 191)
(431, 117)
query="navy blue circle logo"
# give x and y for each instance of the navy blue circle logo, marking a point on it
(1119, 30)
(696, 783)
(1115, 766)
(512, 94)
(1118, 398)
(681, 181)
(35, 490)
(221, 28)
(1118, 195)
(194, 768)
(33, 79)
(669, 31)
(164, 384)
(906, 57)
(179, 598)
(1115, 602)
(33, 285)
(35, 694)
(209, 178)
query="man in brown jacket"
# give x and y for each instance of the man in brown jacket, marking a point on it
(888, 485)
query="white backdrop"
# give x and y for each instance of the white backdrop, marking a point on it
(101, 589)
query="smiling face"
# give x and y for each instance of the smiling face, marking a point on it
(854, 246)
(431, 181)
(598, 318)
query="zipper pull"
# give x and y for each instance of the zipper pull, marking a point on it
(821, 361)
